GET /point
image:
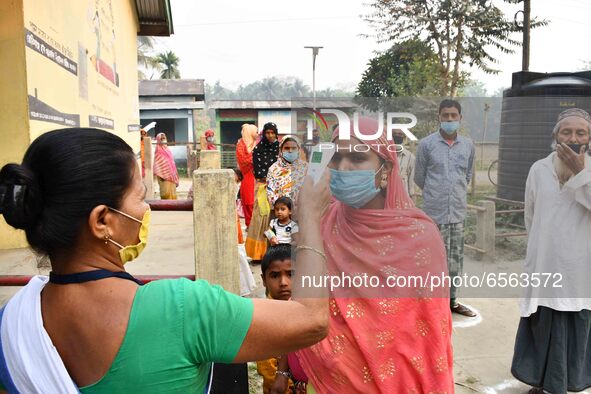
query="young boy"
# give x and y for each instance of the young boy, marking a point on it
(276, 273)
(282, 227)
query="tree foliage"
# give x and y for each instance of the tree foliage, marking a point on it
(169, 63)
(407, 69)
(459, 31)
(272, 88)
(145, 57)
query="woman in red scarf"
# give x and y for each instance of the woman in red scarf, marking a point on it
(165, 169)
(209, 138)
(381, 340)
(244, 149)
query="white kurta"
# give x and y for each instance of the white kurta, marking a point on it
(558, 222)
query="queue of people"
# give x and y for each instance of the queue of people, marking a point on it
(279, 172)
(346, 339)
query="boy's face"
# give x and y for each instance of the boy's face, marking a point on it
(277, 279)
(281, 211)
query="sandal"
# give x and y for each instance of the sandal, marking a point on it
(463, 310)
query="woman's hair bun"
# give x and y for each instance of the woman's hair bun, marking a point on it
(20, 196)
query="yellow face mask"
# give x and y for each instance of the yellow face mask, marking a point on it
(131, 252)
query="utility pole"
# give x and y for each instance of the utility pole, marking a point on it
(314, 54)
(526, 27)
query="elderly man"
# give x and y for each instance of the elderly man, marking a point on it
(443, 170)
(553, 343)
(406, 162)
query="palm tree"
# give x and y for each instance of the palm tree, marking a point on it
(271, 88)
(299, 88)
(169, 62)
(145, 59)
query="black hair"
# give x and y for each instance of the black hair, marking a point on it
(448, 103)
(64, 175)
(275, 253)
(238, 174)
(285, 201)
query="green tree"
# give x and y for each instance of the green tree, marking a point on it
(459, 31)
(145, 57)
(405, 70)
(218, 92)
(297, 88)
(169, 62)
(271, 88)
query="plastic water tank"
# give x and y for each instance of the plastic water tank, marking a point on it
(530, 109)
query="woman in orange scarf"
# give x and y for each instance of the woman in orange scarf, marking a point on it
(384, 339)
(165, 169)
(244, 149)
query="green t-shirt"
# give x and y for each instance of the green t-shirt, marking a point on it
(176, 329)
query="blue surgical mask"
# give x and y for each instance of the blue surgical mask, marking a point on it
(450, 127)
(354, 188)
(291, 156)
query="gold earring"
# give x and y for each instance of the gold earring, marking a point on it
(107, 237)
(384, 181)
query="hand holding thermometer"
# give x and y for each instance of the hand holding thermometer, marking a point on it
(319, 158)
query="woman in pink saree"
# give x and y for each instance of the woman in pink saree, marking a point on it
(165, 169)
(384, 339)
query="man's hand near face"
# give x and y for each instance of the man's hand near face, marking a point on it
(575, 162)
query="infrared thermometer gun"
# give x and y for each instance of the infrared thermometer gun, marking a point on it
(319, 159)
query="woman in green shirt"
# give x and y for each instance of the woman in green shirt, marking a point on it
(90, 327)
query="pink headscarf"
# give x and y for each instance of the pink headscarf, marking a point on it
(249, 136)
(164, 166)
(376, 344)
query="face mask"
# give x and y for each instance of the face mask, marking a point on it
(316, 139)
(131, 252)
(450, 127)
(209, 139)
(291, 156)
(354, 188)
(577, 147)
(398, 139)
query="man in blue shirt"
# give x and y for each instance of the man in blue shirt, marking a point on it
(443, 171)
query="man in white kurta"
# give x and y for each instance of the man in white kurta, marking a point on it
(553, 344)
(558, 222)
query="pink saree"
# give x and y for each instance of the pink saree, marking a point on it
(383, 340)
(164, 166)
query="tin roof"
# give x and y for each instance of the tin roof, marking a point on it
(154, 17)
(171, 87)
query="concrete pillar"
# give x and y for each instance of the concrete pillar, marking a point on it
(149, 168)
(210, 160)
(191, 159)
(485, 230)
(214, 213)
